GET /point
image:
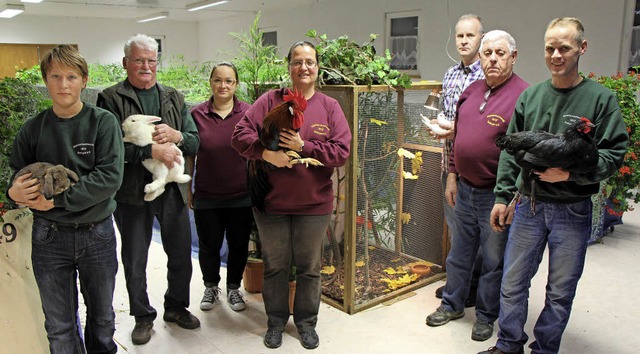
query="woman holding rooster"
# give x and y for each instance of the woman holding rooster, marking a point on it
(293, 203)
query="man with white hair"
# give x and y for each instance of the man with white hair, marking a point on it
(139, 93)
(484, 112)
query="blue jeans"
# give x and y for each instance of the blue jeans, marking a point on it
(473, 232)
(61, 253)
(566, 228)
(287, 240)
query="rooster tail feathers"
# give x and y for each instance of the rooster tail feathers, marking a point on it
(258, 183)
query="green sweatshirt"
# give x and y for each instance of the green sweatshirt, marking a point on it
(543, 107)
(89, 144)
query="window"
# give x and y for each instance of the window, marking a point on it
(160, 40)
(402, 41)
(270, 38)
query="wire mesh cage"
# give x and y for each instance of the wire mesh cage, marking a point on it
(387, 234)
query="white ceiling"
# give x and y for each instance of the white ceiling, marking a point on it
(133, 9)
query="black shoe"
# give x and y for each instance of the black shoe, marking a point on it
(439, 292)
(495, 350)
(273, 338)
(482, 330)
(141, 333)
(309, 339)
(442, 316)
(182, 317)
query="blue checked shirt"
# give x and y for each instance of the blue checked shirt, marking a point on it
(456, 80)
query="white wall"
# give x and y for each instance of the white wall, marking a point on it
(99, 40)
(608, 30)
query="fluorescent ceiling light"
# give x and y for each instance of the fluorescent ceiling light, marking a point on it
(204, 4)
(153, 17)
(32, 1)
(8, 11)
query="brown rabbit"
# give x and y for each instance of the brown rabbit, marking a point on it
(54, 179)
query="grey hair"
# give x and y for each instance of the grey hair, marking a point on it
(499, 34)
(142, 41)
(472, 17)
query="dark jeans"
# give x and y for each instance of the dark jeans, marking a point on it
(135, 223)
(297, 240)
(473, 234)
(62, 253)
(212, 224)
(450, 218)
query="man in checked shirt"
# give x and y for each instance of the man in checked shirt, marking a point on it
(469, 32)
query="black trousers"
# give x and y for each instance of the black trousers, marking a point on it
(212, 226)
(135, 223)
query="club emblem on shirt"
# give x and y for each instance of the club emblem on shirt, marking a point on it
(495, 120)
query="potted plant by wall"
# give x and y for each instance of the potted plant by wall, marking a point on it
(621, 190)
(259, 66)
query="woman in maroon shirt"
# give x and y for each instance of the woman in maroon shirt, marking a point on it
(219, 198)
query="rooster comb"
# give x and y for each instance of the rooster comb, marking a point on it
(296, 99)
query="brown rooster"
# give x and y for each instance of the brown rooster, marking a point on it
(287, 115)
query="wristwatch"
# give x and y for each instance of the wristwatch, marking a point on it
(301, 146)
(181, 142)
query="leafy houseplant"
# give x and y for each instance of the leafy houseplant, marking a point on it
(344, 62)
(19, 100)
(258, 65)
(622, 187)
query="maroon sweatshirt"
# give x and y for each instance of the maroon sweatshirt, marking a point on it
(475, 156)
(300, 190)
(221, 175)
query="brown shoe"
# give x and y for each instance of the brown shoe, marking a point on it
(141, 333)
(182, 317)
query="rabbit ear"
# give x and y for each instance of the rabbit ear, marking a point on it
(153, 119)
(47, 188)
(72, 175)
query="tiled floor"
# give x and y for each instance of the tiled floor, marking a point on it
(604, 318)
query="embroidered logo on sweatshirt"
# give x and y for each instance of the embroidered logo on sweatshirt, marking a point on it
(83, 148)
(320, 129)
(495, 120)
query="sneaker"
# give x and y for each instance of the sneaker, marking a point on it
(141, 333)
(210, 298)
(482, 330)
(182, 317)
(495, 350)
(234, 296)
(442, 316)
(309, 339)
(273, 338)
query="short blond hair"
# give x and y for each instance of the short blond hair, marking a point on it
(65, 55)
(566, 22)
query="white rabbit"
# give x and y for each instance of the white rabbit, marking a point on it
(138, 129)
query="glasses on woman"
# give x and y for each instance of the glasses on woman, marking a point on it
(140, 62)
(219, 82)
(483, 105)
(298, 63)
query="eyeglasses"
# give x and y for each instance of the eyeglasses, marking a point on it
(140, 62)
(298, 63)
(483, 105)
(227, 82)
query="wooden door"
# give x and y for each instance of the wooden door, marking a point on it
(21, 56)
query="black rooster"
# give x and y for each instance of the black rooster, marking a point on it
(574, 150)
(287, 115)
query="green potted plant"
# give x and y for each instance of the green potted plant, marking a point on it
(622, 188)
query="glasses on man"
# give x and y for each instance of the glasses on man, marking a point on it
(298, 63)
(140, 62)
(219, 82)
(483, 105)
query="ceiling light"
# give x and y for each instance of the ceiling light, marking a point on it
(153, 17)
(8, 11)
(204, 4)
(32, 1)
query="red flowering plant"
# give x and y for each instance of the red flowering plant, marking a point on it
(622, 187)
